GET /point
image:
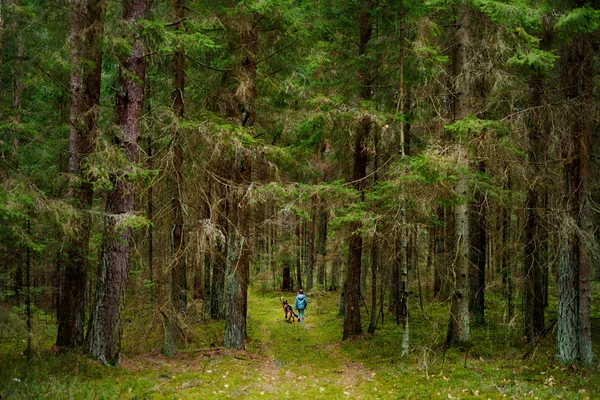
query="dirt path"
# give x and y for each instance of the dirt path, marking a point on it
(306, 358)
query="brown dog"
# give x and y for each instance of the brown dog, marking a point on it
(288, 311)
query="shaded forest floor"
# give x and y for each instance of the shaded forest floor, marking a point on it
(285, 360)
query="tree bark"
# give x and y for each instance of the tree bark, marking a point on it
(238, 255)
(150, 216)
(374, 247)
(506, 270)
(298, 253)
(177, 269)
(322, 246)
(217, 301)
(352, 324)
(478, 254)
(310, 244)
(104, 332)
(87, 28)
(236, 275)
(458, 327)
(574, 343)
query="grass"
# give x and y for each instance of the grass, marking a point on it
(285, 360)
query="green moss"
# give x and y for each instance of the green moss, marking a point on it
(288, 360)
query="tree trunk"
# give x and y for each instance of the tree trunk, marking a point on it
(506, 271)
(219, 260)
(478, 254)
(177, 269)
(374, 247)
(352, 324)
(286, 281)
(298, 253)
(150, 216)
(458, 327)
(322, 246)
(87, 19)
(310, 243)
(236, 275)
(336, 267)
(533, 299)
(574, 325)
(374, 269)
(440, 275)
(238, 261)
(104, 332)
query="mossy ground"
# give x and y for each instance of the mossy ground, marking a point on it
(285, 360)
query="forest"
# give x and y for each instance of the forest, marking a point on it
(426, 171)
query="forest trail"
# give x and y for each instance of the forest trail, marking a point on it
(302, 359)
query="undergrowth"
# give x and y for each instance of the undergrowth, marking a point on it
(289, 360)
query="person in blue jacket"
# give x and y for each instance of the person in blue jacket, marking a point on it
(300, 304)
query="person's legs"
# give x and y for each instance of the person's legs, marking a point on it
(301, 315)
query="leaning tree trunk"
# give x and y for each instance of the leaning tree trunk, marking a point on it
(87, 28)
(177, 268)
(104, 332)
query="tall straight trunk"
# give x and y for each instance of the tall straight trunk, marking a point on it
(374, 246)
(16, 117)
(374, 269)
(402, 261)
(237, 268)
(177, 267)
(310, 243)
(207, 263)
(217, 300)
(150, 216)
(203, 264)
(28, 324)
(394, 296)
(403, 258)
(87, 28)
(298, 253)
(352, 324)
(506, 270)
(336, 267)
(238, 252)
(104, 332)
(440, 276)
(533, 299)
(458, 325)
(286, 278)
(574, 343)
(478, 254)
(322, 246)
